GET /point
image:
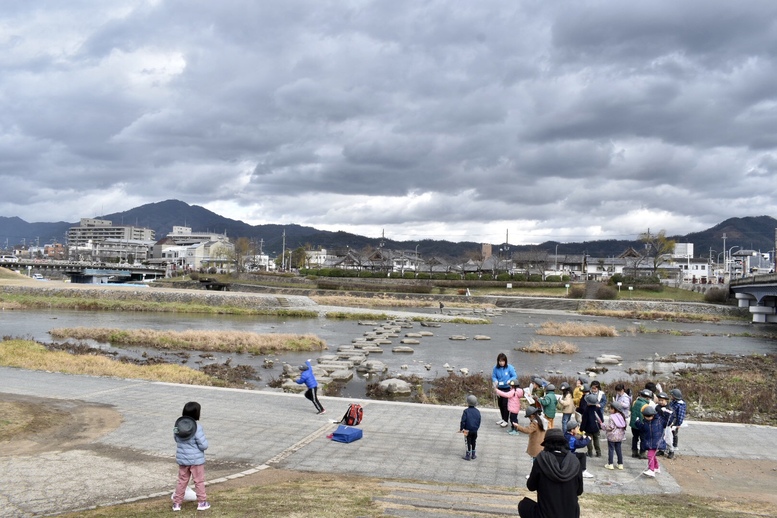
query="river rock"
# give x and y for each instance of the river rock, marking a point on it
(608, 359)
(425, 333)
(372, 349)
(396, 386)
(372, 367)
(290, 385)
(481, 337)
(342, 375)
(413, 335)
(402, 349)
(409, 341)
(457, 337)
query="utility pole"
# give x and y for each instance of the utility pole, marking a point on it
(283, 253)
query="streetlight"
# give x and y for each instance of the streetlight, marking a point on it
(416, 260)
(555, 263)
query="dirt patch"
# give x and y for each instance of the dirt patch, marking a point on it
(747, 481)
(53, 424)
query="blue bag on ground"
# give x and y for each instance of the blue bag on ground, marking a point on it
(347, 434)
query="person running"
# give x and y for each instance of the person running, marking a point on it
(309, 379)
(501, 376)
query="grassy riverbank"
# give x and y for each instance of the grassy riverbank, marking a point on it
(26, 354)
(199, 340)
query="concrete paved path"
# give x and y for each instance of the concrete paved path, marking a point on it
(250, 430)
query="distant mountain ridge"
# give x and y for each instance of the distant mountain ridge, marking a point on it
(756, 233)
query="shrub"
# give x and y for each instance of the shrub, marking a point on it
(553, 278)
(423, 275)
(716, 296)
(606, 293)
(486, 277)
(616, 278)
(452, 277)
(519, 277)
(471, 277)
(504, 277)
(576, 292)
(535, 277)
(194, 276)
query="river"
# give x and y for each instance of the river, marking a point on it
(514, 328)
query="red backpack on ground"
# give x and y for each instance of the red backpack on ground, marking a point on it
(353, 415)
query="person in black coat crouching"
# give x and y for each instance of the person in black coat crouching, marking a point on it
(557, 478)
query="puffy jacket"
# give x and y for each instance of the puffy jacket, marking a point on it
(307, 377)
(567, 404)
(615, 427)
(191, 451)
(548, 402)
(502, 376)
(576, 441)
(651, 433)
(636, 410)
(470, 419)
(513, 399)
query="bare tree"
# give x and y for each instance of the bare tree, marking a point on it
(658, 248)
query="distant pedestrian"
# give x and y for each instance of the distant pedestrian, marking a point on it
(442, 306)
(557, 479)
(470, 424)
(309, 379)
(513, 397)
(615, 431)
(651, 434)
(501, 375)
(190, 446)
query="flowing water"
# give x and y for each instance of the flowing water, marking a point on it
(507, 331)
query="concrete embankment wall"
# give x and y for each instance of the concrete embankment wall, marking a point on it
(266, 297)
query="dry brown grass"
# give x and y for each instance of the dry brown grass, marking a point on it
(14, 419)
(575, 329)
(653, 315)
(223, 341)
(26, 354)
(561, 347)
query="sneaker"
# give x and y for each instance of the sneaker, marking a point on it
(467, 456)
(527, 476)
(474, 456)
(499, 422)
(620, 466)
(322, 412)
(670, 455)
(513, 432)
(503, 424)
(657, 471)
(202, 506)
(609, 466)
(587, 475)
(176, 507)
(649, 473)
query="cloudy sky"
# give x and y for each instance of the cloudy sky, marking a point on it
(563, 120)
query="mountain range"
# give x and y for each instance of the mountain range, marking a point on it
(754, 233)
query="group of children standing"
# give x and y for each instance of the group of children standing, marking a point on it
(654, 417)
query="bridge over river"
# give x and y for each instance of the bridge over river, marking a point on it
(759, 294)
(86, 272)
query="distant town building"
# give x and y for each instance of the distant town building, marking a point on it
(93, 237)
(183, 249)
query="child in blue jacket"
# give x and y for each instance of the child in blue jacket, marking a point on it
(469, 426)
(309, 379)
(651, 434)
(575, 440)
(190, 446)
